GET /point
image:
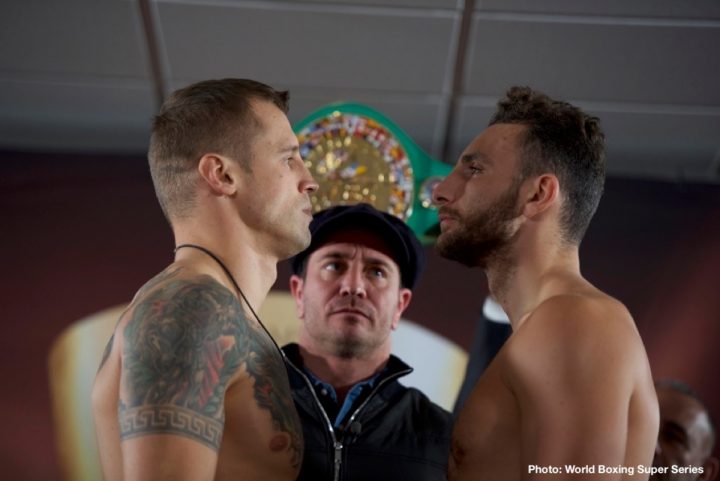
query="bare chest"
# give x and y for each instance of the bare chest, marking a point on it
(262, 431)
(486, 436)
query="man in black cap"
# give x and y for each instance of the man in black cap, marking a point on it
(350, 287)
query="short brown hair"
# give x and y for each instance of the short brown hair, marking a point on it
(208, 116)
(563, 140)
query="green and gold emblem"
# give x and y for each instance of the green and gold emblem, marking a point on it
(357, 154)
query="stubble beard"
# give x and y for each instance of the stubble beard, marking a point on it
(350, 348)
(335, 341)
(293, 238)
(484, 236)
(299, 241)
(353, 346)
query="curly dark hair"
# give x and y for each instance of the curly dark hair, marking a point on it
(563, 140)
(209, 116)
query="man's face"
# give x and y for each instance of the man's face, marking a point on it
(685, 435)
(274, 199)
(479, 199)
(350, 299)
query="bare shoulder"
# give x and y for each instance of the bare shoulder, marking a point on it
(178, 301)
(578, 370)
(585, 317)
(114, 345)
(181, 344)
(585, 336)
(184, 353)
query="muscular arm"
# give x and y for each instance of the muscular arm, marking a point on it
(182, 348)
(572, 371)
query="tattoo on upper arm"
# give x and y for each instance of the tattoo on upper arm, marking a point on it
(184, 343)
(167, 273)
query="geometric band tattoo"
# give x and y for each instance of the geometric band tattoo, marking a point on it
(170, 420)
(188, 339)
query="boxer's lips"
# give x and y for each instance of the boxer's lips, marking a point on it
(348, 310)
(446, 219)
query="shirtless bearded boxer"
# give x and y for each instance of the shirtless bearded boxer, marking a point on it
(191, 386)
(572, 385)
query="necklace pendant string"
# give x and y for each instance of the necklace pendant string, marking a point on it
(237, 287)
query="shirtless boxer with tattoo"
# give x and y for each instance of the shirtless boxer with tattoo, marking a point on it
(191, 386)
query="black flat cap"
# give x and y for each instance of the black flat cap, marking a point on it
(406, 249)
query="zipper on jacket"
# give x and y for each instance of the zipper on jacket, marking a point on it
(374, 391)
(337, 445)
(337, 460)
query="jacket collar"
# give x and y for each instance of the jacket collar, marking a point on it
(395, 367)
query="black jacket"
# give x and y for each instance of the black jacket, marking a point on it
(394, 433)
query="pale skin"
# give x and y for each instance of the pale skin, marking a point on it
(572, 385)
(350, 292)
(191, 387)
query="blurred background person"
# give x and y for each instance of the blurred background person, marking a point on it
(687, 434)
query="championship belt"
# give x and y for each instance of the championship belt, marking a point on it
(357, 154)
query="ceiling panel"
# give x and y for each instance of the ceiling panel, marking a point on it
(471, 118)
(76, 75)
(71, 39)
(313, 48)
(79, 117)
(73, 76)
(444, 4)
(673, 144)
(638, 64)
(435, 4)
(697, 9)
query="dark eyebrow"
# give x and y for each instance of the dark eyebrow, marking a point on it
(472, 157)
(336, 255)
(374, 261)
(377, 262)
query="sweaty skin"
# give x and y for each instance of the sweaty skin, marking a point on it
(190, 368)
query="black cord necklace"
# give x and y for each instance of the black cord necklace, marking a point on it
(237, 287)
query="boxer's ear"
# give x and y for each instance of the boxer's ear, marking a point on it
(219, 173)
(404, 296)
(540, 194)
